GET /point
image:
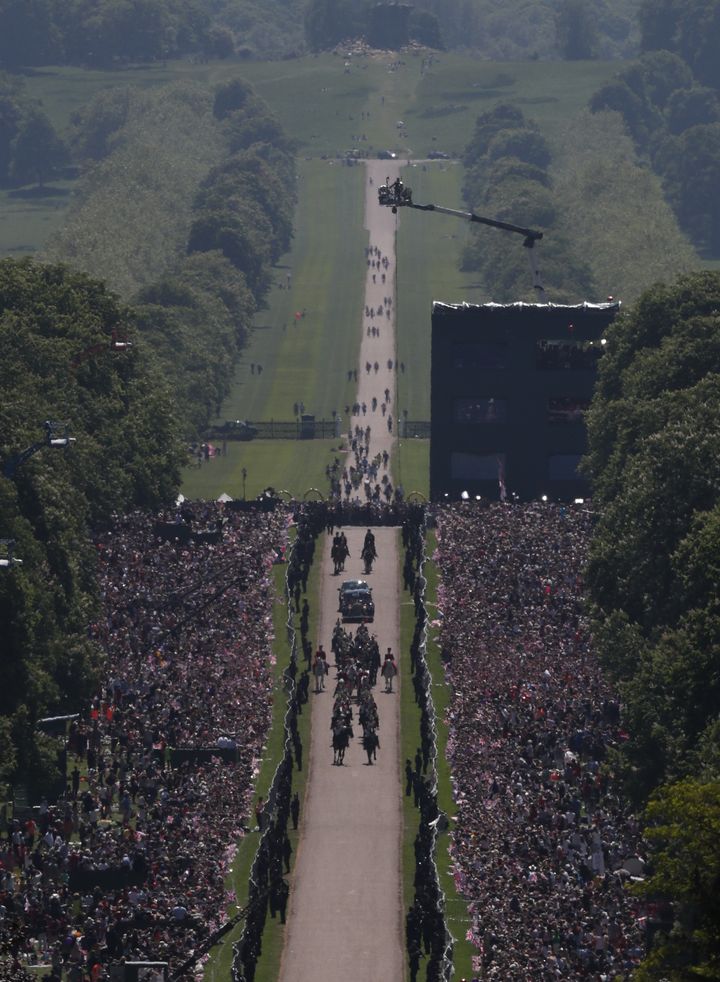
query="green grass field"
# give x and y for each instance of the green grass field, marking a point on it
(456, 906)
(286, 465)
(411, 466)
(28, 216)
(303, 360)
(319, 103)
(307, 359)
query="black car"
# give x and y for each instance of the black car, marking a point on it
(237, 429)
(356, 602)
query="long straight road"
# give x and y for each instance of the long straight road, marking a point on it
(345, 913)
(381, 225)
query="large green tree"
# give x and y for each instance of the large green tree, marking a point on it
(576, 26)
(654, 446)
(690, 28)
(684, 829)
(38, 152)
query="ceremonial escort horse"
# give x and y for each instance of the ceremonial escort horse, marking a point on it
(369, 553)
(340, 742)
(339, 553)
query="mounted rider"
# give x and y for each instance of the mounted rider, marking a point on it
(369, 552)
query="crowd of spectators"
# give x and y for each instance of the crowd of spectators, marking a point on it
(543, 845)
(130, 864)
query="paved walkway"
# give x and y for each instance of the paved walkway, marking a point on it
(381, 225)
(345, 920)
(345, 913)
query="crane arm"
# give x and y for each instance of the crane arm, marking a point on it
(531, 235)
(396, 195)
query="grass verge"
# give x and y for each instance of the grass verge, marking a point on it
(409, 741)
(456, 906)
(306, 359)
(286, 465)
(411, 466)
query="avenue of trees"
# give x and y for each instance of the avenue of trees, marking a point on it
(613, 210)
(186, 202)
(654, 446)
(110, 33)
(608, 229)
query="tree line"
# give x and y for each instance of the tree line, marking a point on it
(607, 229)
(670, 102)
(111, 33)
(515, 30)
(186, 201)
(654, 446)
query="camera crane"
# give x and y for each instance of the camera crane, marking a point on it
(396, 195)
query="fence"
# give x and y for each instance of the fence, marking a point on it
(264, 879)
(277, 429)
(313, 429)
(429, 903)
(411, 428)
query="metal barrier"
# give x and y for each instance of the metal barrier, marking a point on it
(414, 428)
(277, 429)
(445, 968)
(281, 785)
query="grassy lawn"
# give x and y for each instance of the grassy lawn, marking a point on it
(304, 360)
(411, 466)
(409, 741)
(286, 465)
(319, 103)
(29, 215)
(307, 359)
